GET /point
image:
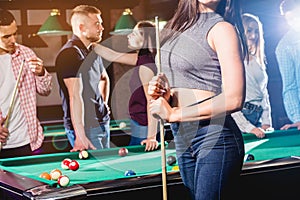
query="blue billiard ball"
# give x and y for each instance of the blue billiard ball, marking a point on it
(130, 173)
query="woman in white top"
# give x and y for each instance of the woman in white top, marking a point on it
(255, 117)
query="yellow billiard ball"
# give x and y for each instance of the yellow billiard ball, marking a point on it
(55, 174)
(83, 154)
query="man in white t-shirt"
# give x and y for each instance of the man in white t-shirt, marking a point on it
(24, 133)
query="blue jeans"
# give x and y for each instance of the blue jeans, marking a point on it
(210, 157)
(71, 136)
(138, 133)
(253, 115)
(99, 136)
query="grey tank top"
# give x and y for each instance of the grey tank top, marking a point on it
(189, 62)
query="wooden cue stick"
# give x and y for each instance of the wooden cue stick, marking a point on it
(161, 125)
(13, 99)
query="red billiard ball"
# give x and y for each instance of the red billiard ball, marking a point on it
(123, 151)
(45, 175)
(65, 163)
(74, 165)
(83, 154)
(55, 174)
(63, 181)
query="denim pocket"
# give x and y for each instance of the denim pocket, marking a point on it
(253, 115)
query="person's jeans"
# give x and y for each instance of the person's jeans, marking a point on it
(253, 115)
(138, 133)
(210, 157)
(99, 136)
(71, 136)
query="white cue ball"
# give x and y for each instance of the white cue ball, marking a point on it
(122, 125)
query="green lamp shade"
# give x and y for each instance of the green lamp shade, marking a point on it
(54, 26)
(125, 24)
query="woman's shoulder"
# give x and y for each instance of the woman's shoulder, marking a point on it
(223, 30)
(223, 26)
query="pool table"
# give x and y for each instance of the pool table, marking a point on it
(101, 174)
(273, 172)
(56, 140)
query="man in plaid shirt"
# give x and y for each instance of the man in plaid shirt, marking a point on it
(24, 133)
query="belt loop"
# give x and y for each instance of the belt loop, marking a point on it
(251, 106)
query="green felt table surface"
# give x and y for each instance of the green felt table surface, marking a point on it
(106, 164)
(276, 144)
(101, 165)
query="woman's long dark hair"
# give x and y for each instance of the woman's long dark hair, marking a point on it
(187, 13)
(147, 30)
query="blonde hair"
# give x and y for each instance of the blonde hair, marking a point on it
(247, 18)
(82, 11)
(85, 10)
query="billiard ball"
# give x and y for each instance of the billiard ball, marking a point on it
(45, 175)
(248, 157)
(129, 173)
(175, 168)
(83, 154)
(55, 174)
(123, 151)
(65, 163)
(63, 180)
(74, 165)
(171, 160)
(122, 125)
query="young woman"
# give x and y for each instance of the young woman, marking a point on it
(255, 117)
(201, 59)
(142, 39)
